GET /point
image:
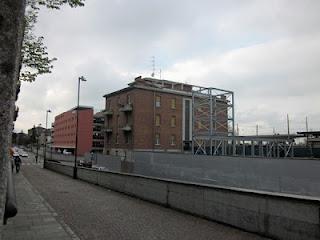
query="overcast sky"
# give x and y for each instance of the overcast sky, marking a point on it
(267, 52)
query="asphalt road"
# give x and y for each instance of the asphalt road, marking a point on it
(93, 212)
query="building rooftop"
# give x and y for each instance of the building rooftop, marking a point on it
(98, 114)
(156, 84)
(80, 108)
(277, 136)
(312, 133)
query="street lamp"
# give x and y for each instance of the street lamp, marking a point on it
(76, 147)
(45, 141)
(37, 138)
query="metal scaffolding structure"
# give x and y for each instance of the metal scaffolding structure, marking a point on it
(248, 146)
(212, 116)
(213, 129)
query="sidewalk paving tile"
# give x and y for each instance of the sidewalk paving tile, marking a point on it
(35, 219)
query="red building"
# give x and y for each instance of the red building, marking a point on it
(153, 115)
(150, 114)
(64, 134)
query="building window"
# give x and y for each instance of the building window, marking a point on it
(117, 138)
(157, 139)
(173, 140)
(118, 121)
(158, 101)
(127, 139)
(173, 103)
(173, 121)
(158, 120)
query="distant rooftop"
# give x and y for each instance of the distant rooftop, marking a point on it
(153, 83)
(159, 83)
(80, 108)
(99, 114)
(277, 136)
(313, 133)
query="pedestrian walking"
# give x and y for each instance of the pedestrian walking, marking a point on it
(11, 151)
(17, 162)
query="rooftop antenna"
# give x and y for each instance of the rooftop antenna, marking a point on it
(153, 61)
(160, 74)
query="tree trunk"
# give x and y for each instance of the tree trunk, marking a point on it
(11, 36)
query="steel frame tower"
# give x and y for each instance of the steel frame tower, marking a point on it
(212, 117)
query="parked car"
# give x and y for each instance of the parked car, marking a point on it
(84, 163)
(66, 152)
(23, 154)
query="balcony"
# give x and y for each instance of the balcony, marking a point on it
(98, 122)
(97, 139)
(97, 129)
(126, 108)
(107, 130)
(108, 112)
(95, 148)
(127, 128)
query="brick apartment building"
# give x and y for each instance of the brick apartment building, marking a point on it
(38, 134)
(151, 115)
(98, 135)
(64, 132)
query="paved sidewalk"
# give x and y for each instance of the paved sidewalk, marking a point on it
(96, 213)
(35, 219)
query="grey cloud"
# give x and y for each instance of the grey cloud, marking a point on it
(266, 51)
(101, 79)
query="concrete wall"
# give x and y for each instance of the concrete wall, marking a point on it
(57, 156)
(296, 176)
(57, 167)
(110, 162)
(279, 216)
(300, 151)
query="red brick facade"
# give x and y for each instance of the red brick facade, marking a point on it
(135, 121)
(65, 130)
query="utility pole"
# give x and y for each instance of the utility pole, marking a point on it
(307, 130)
(257, 129)
(37, 147)
(288, 125)
(77, 127)
(45, 141)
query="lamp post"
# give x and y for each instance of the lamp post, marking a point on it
(77, 112)
(37, 138)
(45, 141)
